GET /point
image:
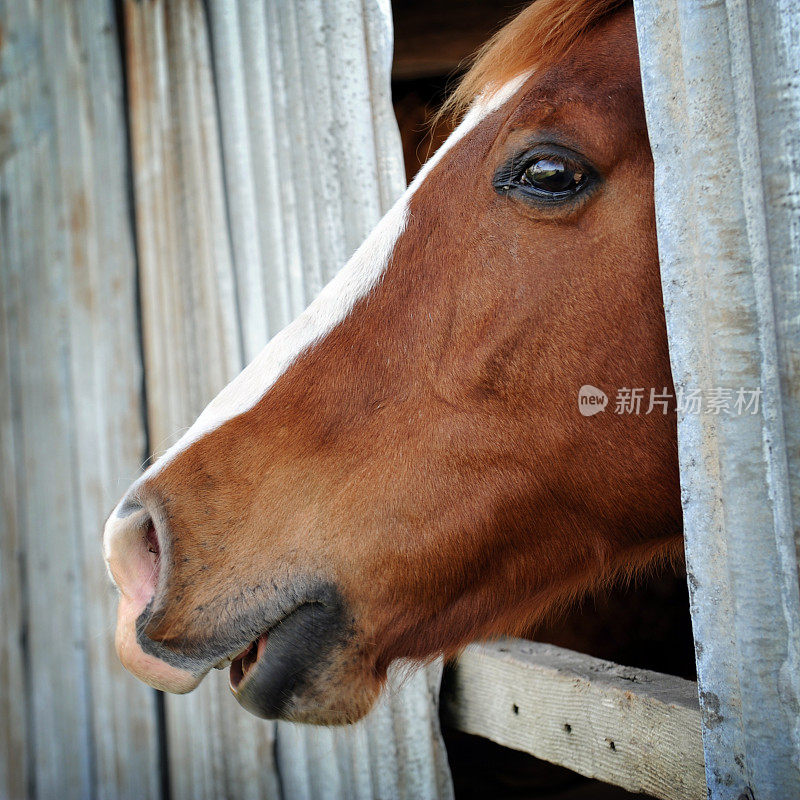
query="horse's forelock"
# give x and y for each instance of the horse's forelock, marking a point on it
(537, 37)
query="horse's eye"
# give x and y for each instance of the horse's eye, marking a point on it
(549, 175)
(553, 176)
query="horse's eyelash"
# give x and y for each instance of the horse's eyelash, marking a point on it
(517, 164)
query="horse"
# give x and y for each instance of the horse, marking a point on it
(405, 468)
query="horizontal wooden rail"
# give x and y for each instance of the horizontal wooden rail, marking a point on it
(633, 728)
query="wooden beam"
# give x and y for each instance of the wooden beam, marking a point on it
(633, 728)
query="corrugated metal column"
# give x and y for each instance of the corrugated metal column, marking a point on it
(265, 149)
(722, 95)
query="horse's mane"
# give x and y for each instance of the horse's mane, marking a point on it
(535, 38)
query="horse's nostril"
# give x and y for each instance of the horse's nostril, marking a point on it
(152, 541)
(133, 553)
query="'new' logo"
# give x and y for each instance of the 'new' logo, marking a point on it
(591, 400)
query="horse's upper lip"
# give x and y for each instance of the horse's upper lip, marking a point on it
(289, 655)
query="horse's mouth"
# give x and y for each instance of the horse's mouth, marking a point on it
(271, 672)
(242, 663)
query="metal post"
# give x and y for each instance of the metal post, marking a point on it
(722, 94)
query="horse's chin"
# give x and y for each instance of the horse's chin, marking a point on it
(297, 671)
(335, 696)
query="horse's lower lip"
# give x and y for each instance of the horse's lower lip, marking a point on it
(284, 659)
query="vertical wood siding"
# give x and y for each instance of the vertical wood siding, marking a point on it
(73, 724)
(723, 106)
(177, 182)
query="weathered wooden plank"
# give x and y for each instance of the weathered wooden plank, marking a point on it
(723, 109)
(191, 331)
(190, 328)
(55, 660)
(68, 291)
(32, 240)
(14, 756)
(107, 410)
(633, 728)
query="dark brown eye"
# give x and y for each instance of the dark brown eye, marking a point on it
(546, 175)
(553, 176)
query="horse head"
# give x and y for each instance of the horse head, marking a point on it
(405, 467)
